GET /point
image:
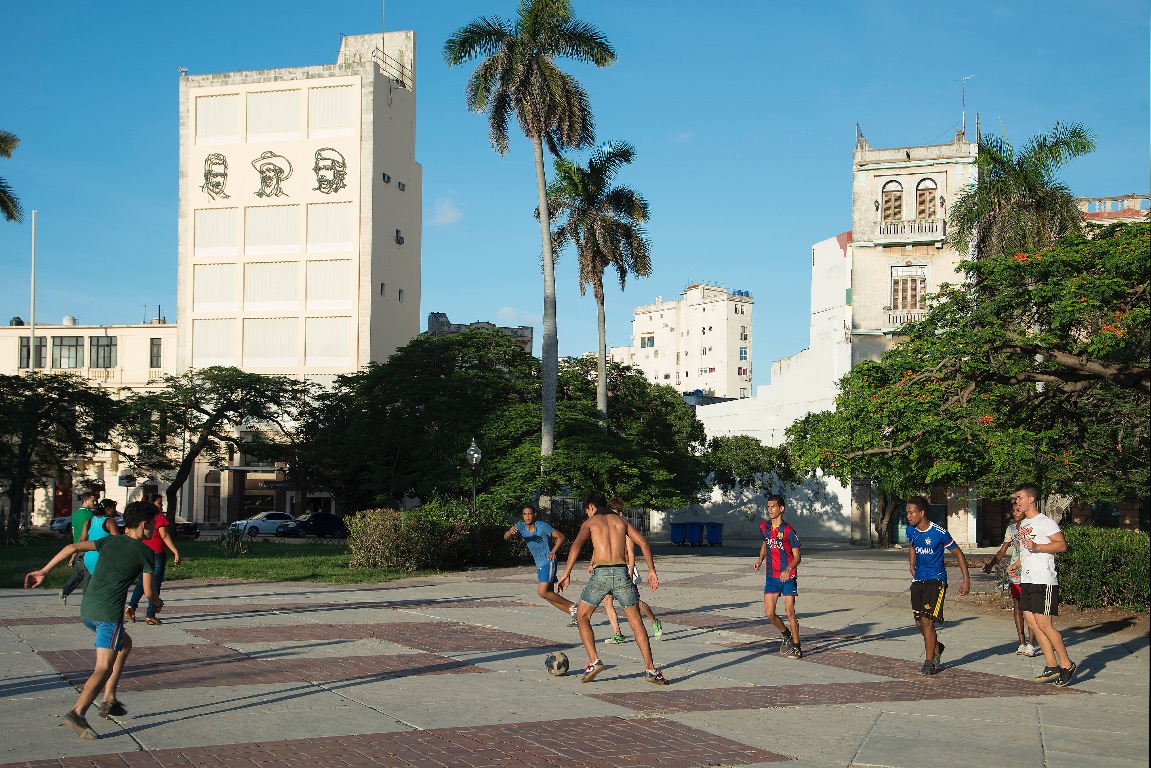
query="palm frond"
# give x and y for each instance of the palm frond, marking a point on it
(9, 203)
(8, 143)
(483, 37)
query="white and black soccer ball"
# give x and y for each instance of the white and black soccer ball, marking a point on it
(556, 664)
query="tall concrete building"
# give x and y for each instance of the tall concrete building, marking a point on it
(300, 213)
(700, 342)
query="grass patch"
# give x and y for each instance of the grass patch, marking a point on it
(203, 559)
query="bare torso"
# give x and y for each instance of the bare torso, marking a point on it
(609, 540)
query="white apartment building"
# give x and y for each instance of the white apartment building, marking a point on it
(114, 356)
(300, 213)
(700, 343)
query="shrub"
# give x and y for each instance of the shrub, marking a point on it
(1105, 567)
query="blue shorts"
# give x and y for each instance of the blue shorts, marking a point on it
(546, 573)
(109, 634)
(774, 586)
(614, 580)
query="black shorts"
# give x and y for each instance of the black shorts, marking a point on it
(927, 599)
(1039, 598)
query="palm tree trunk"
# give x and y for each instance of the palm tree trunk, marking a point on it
(549, 363)
(601, 382)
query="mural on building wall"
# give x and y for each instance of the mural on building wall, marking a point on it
(331, 171)
(273, 169)
(215, 176)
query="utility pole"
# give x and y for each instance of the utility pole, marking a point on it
(32, 319)
(963, 100)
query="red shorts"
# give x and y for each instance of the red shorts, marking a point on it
(1014, 591)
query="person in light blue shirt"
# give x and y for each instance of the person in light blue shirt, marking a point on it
(926, 545)
(539, 535)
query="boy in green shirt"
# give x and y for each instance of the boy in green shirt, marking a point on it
(80, 517)
(122, 560)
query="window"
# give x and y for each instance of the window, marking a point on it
(743, 353)
(218, 119)
(400, 295)
(213, 342)
(329, 341)
(331, 227)
(217, 232)
(41, 352)
(702, 371)
(215, 287)
(156, 354)
(703, 350)
(892, 201)
(271, 342)
(925, 199)
(743, 333)
(102, 350)
(332, 111)
(908, 288)
(742, 393)
(272, 229)
(67, 351)
(647, 340)
(272, 285)
(274, 115)
(330, 285)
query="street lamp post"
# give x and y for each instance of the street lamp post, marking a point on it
(474, 461)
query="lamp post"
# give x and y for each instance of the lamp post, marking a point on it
(474, 461)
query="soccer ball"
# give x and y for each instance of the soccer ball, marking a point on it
(556, 664)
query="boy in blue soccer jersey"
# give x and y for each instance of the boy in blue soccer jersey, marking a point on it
(538, 535)
(780, 551)
(926, 544)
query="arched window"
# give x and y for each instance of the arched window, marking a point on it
(892, 201)
(925, 194)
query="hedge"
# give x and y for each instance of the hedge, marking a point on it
(1105, 568)
(439, 535)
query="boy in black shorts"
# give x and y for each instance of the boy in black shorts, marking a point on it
(926, 545)
(122, 560)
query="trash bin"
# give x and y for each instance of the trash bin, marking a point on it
(678, 534)
(714, 534)
(694, 533)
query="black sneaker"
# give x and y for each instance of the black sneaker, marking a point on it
(938, 654)
(795, 652)
(928, 668)
(785, 645)
(1065, 675)
(115, 709)
(1048, 673)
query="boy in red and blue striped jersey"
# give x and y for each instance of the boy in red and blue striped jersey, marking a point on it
(780, 550)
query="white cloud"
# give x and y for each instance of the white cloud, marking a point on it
(683, 137)
(446, 212)
(510, 316)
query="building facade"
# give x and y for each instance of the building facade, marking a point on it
(701, 343)
(440, 325)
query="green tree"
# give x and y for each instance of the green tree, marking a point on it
(48, 422)
(1016, 204)
(518, 77)
(742, 462)
(604, 223)
(207, 414)
(9, 203)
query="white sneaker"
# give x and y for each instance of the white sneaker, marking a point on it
(1023, 650)
(1033, 651)
(573, 610)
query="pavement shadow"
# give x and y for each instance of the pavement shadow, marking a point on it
(32, 684)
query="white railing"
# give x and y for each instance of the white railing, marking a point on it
(912, 230)
(896, 318)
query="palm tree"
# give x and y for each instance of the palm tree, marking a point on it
(9, 203)
(518, 76)
(1017, 204)
(604, 223)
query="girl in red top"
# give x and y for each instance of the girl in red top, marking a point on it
(159, 542)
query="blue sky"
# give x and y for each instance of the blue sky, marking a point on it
(742, 114)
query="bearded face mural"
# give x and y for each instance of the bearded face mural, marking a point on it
(331, 171)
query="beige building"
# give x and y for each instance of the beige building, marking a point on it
(700, 342)
(300, 213)
(440, 325)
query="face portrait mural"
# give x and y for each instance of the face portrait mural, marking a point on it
(331, 171)
(215, 176)
(273, 169)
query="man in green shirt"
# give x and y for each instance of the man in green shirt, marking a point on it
(122, 560)
(80, 517)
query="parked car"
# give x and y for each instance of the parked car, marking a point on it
(60, 524)
(318, 524)
(184, 527)
(264, 523)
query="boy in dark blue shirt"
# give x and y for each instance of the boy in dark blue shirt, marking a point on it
(926, 543)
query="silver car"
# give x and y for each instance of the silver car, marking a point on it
(264, 523)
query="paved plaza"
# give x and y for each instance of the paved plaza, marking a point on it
(449, 671)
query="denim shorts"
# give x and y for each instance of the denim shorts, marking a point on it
(109, 634)
(611, 580)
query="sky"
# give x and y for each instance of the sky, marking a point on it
(743, 116)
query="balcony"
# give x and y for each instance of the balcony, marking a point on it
(909, 231)
(896, 318)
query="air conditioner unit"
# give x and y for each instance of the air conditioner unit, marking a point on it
(402, 186)
(387, 178)
(399, 238)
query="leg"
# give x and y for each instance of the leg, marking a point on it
(645, 609)
(117, 670)
(586, 634)
(769, 601)
(640, 631)
(137, 593)
(158, 570)
(1050, 640)
(789, 607)
(547, 592)
(612, 616)
(105, 661)
(75, 579)
(1020, 623)
(927, 629)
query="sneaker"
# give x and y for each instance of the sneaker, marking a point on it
(795, 652)
(573, 610)
(657, 625)
(938, 660)
(1048, 673)
(655, 678)
(115, 709)
(928, 668)
(80, 726)
(1032, 651)
(1065, 675)
(591, 670)
(616, 639)
(63, 597)
(1023, 650)
(785, 645)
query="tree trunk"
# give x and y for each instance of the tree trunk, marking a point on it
(549, 362)
(601, 383)
(888, 508)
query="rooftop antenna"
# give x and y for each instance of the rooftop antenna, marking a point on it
(963, 100)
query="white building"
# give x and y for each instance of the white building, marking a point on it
(300, 213)
(700, 342)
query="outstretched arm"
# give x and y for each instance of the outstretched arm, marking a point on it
(996, 557)
(36, 578)
(573, 555)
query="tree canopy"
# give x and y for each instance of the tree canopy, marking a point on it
(9, 202)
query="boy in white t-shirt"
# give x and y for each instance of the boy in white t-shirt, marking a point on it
(1041, 540)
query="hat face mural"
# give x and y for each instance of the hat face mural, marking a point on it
(331, 171)
(273, 170)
